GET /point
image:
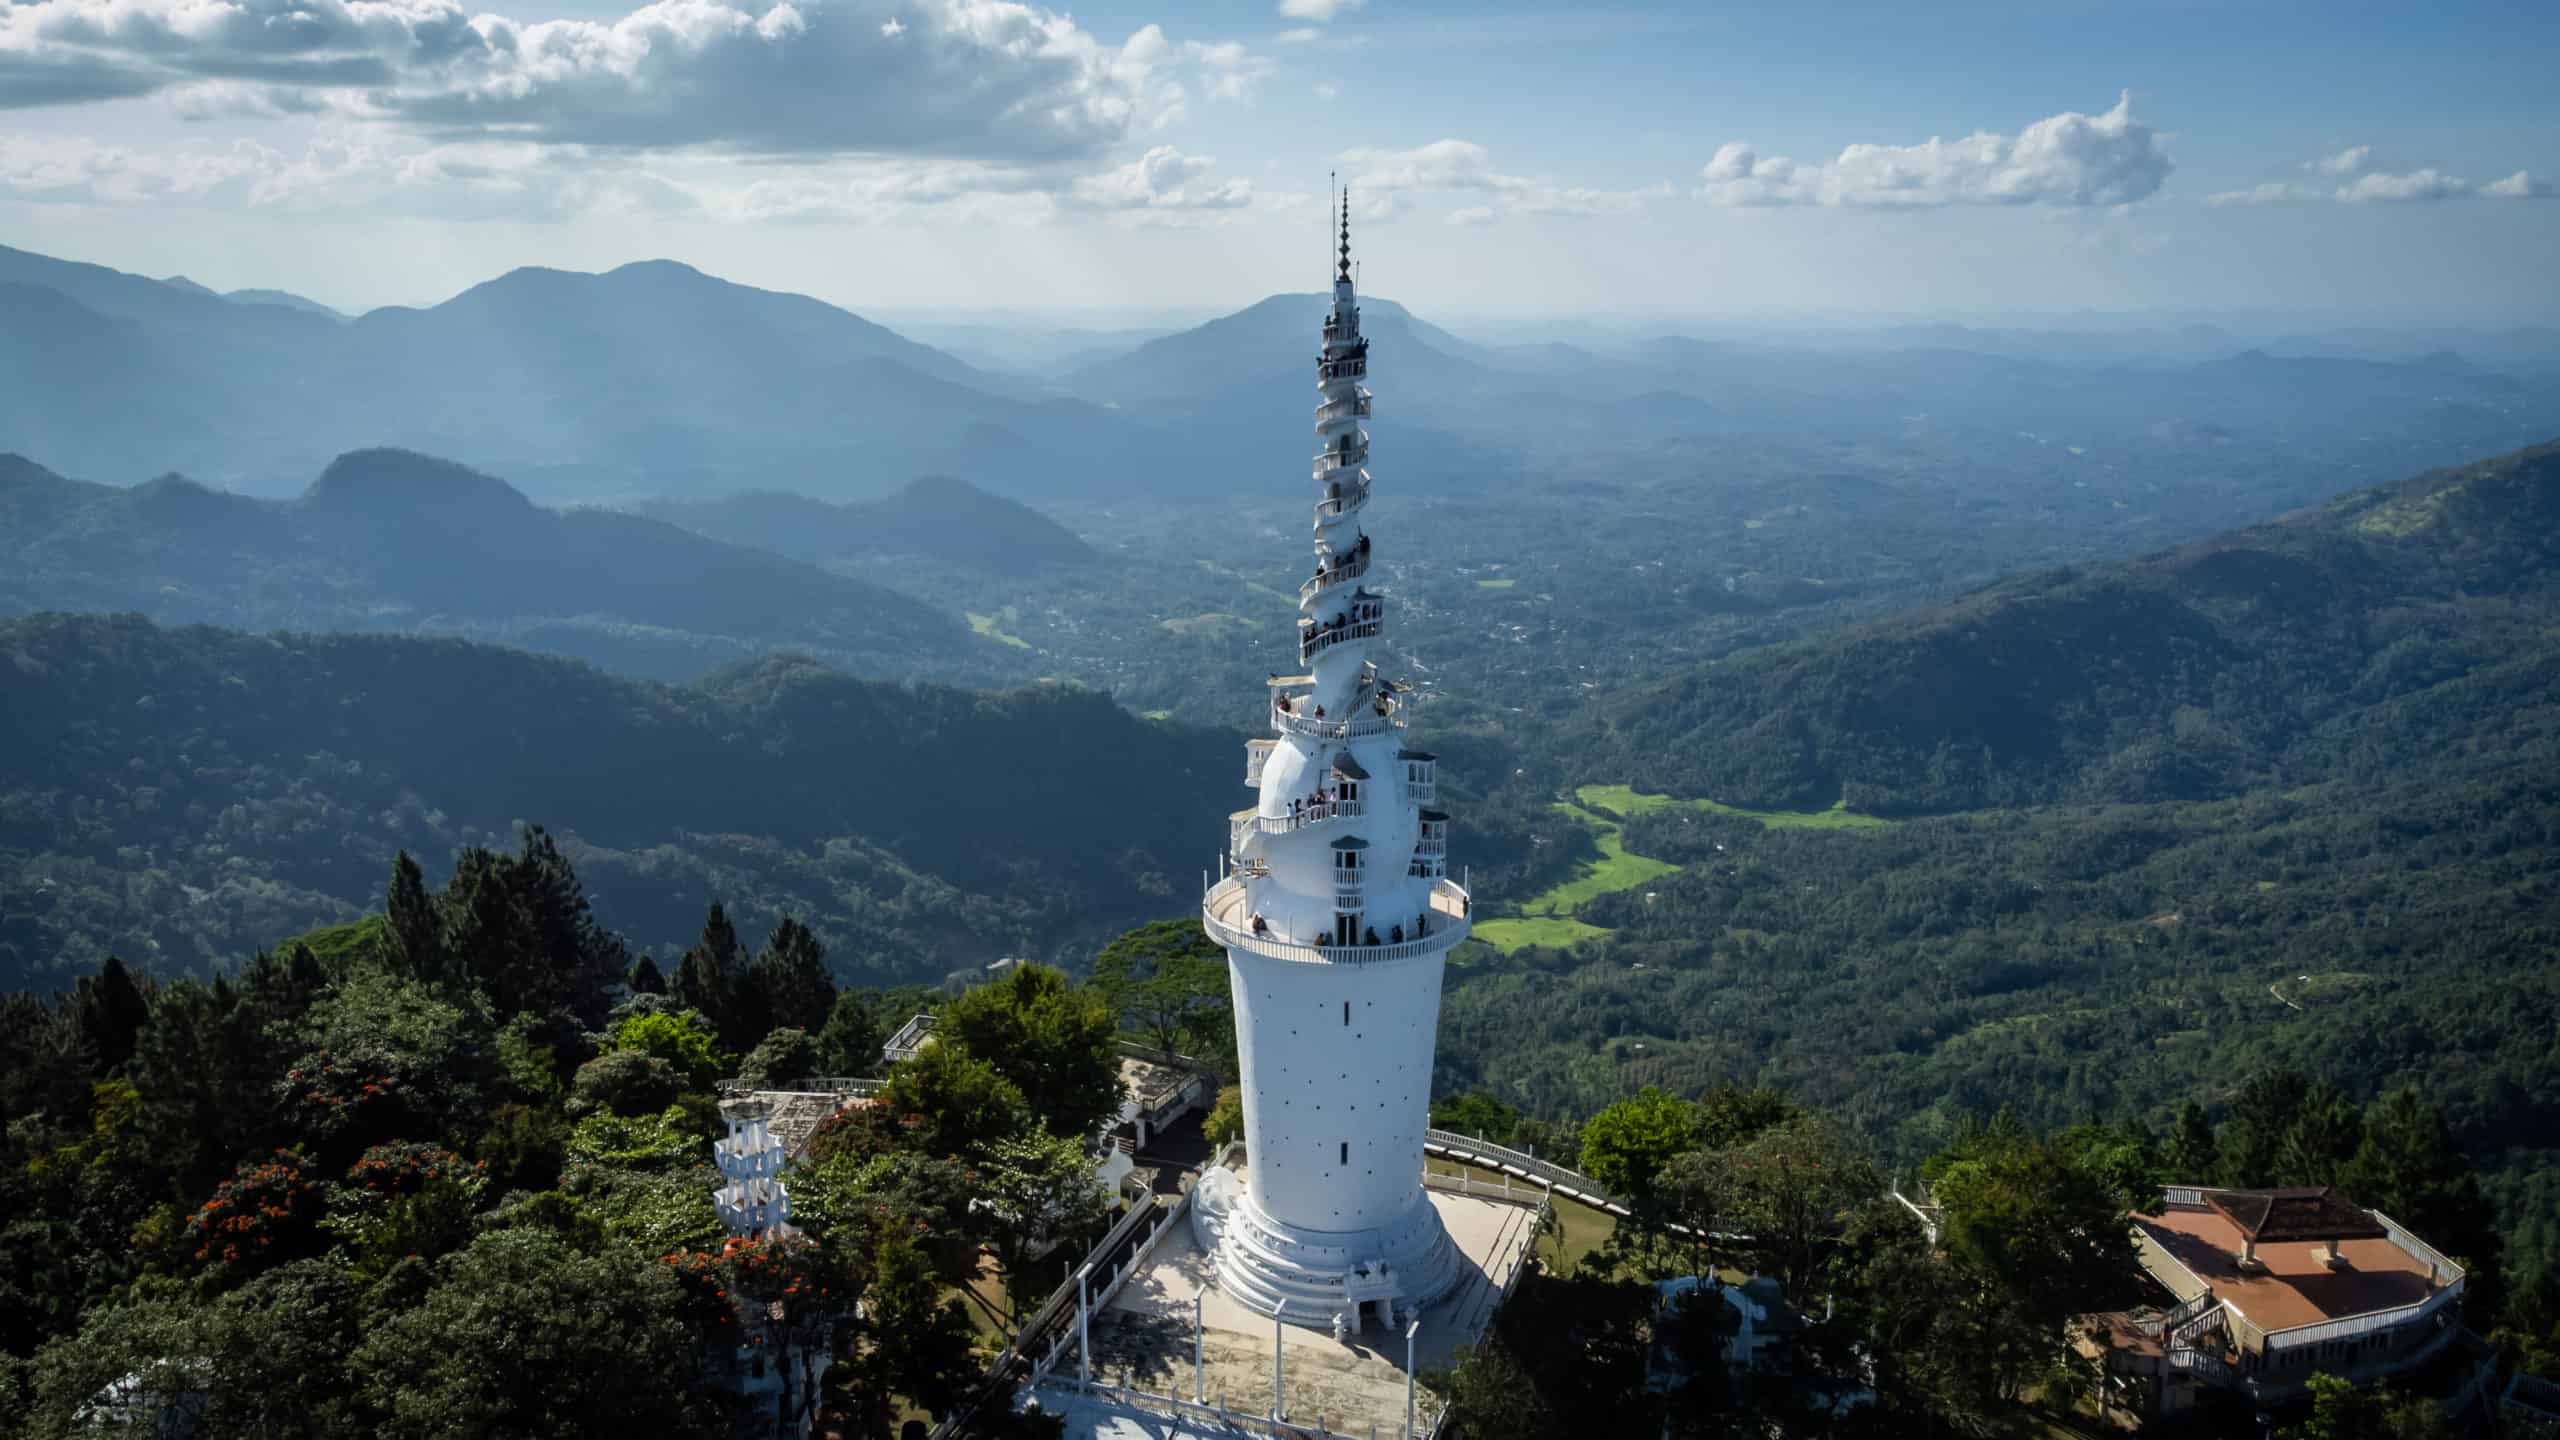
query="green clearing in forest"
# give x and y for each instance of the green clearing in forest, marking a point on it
(1509, 935)
(1208, 624)
(991, 626)
(1495, 584)
(1622, 800)
(1547, 918)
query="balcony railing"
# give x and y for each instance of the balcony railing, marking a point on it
(1349, 898)
(1316, 642)
(1224, 913)
(1257, 753)
(1353, 496)
(1355, 407)
(2352, 1326)
(1427, 867)
(1432, 846)
(1367, 722)
(1351, 568)
(1333, 462)
(1248, 822)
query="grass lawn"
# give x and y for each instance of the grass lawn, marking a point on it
(1495, 584)
(1623, 801)
(991, 627)
(1509, 935)
(1548, 918)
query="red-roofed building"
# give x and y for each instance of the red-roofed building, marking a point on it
(2272, 1287)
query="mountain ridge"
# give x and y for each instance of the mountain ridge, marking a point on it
(2245, 659)
(386, 539)
(868, 808)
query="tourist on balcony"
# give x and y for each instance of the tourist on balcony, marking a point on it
(1395, 936)
(1371, 938)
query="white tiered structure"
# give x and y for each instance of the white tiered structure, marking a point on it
(750, 1200)
(1336, 913)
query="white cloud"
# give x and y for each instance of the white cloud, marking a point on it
(1299, 36)
(1320, 11)
(2069, 159)
(1472, 215)
(1162, 179)
(2428, 184)
(1327, 90)
(2363, 184)
(76, 171)
(1383, 179)
(988, 79)
(2273, 192)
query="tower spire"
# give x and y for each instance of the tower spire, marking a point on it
(1342, 264)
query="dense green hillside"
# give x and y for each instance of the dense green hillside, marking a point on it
(2339, 641)
(2288, 796)
(181, 796)
(935, 519)
(388, 540)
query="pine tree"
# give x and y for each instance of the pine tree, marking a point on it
(708, 978)
(850, 1042)
(2323, 1138)
(645, 979)
(415, 931)
(2194, 1158)
(789, 982)
(113, 1008)
(2409, 1168)
(2262, 1115)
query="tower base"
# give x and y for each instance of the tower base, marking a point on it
(1348, 1281)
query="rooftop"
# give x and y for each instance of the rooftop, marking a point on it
(1150, 1083)
(2296, 1286)
(2304, 1214)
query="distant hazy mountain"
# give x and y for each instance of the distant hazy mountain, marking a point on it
(2415, 619)
(936, 519)
(285, 298)
(389, 540)
(651, 377)
(654, 379)
(180, 796)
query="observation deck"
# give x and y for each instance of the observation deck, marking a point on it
(1347, 569)
(1250, 822)
(1316, 642)
(1368, 722)
(1332, 462)
(1227, 914)
(1355, 407)
(1350, 498)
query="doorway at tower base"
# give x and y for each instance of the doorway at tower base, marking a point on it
(1352, 1282)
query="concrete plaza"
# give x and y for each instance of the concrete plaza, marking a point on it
(1354, 1386)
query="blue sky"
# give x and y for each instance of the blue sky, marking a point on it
(1679, 160)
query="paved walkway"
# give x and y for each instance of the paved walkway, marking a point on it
(1144, 1339)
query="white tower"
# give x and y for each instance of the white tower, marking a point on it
(1336, 914)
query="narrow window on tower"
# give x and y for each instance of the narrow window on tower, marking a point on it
(1346, 1152)
(1346, 1012)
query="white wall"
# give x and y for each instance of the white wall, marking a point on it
(1313, 1084)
